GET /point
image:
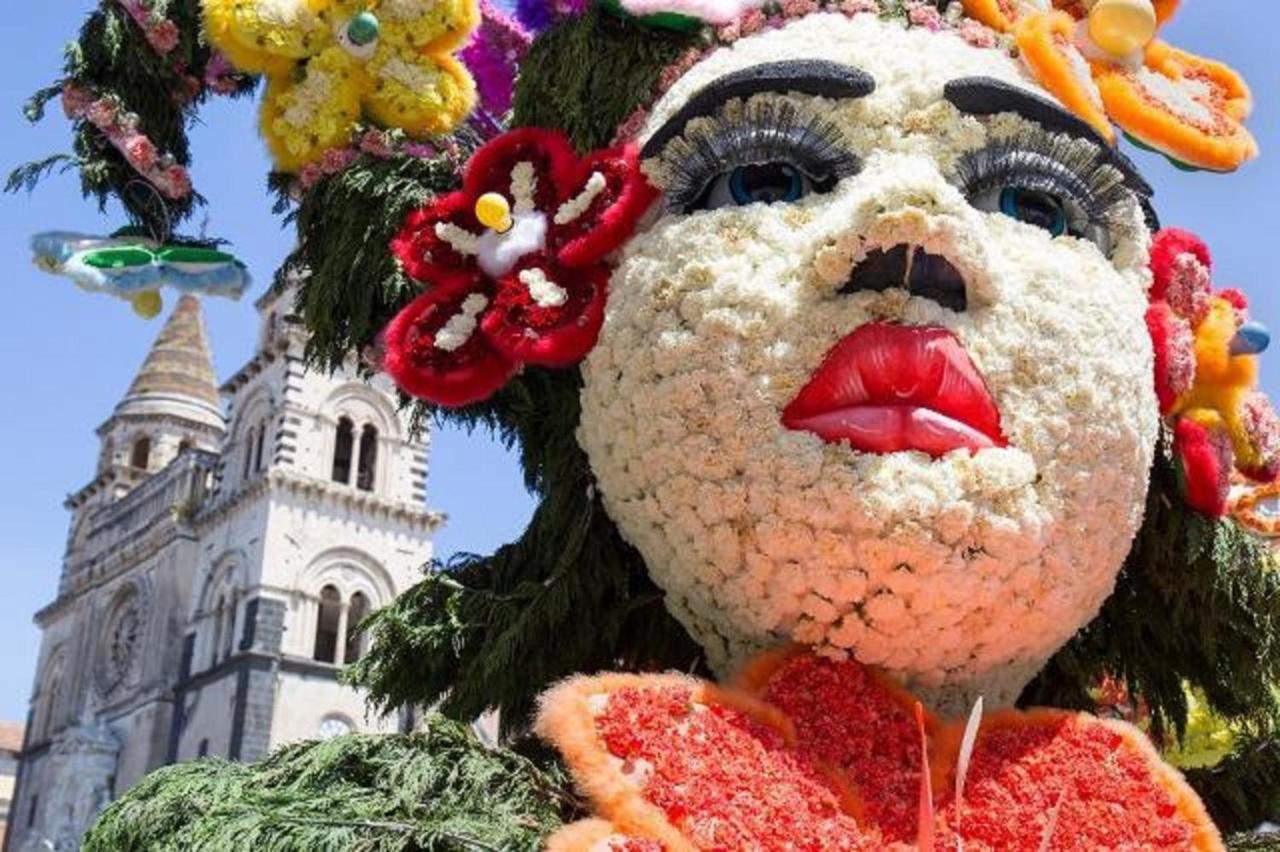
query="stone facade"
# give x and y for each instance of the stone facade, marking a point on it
(10, 748)
(216, 566)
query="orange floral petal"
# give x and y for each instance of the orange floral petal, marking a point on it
(1166, 9)
(1000, 15)
(1224, 84)
(1045, 43)
(1045, 778)
(1188, 118)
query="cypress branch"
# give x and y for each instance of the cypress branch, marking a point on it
(437, 790)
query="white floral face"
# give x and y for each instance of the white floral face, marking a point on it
(879, 384)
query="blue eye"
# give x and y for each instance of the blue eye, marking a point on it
(1035, 207)
(764, 183)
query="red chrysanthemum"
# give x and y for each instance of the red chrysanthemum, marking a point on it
(543, 279)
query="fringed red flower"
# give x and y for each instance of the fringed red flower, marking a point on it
(1206, 368)
(514, 263)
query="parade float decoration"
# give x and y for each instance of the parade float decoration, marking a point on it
(135, 269)
(884, 441)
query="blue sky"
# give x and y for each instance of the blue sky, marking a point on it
(66, 356)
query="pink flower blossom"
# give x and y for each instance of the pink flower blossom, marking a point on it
(1189, 289)
(752, 22)
(798, 8)
(102, 113)
(858, 7)
(178, 181)
(75, 101)
(337, 159)
(977, 34)
(926, 15)
(163, 37)
(375, 144)
(140, 151)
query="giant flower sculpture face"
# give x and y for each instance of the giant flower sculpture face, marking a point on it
(325, 60)
(878, 381)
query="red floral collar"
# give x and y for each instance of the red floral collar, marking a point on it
(808, 754)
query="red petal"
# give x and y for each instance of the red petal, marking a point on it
(429, 259)
(553, 158)
(1167, 246)
(1174, 346)
(1049, 779)
(612, 216)
(470, 373)
(1205, 456)
(550, 336)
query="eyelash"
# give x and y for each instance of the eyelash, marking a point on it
(1054, 163)
(761, 130)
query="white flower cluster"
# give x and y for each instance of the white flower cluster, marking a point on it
(959, 575)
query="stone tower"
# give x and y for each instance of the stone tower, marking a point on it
(216, 567)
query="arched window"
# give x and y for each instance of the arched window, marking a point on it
(184, 445)
(342, 447)
(327, 625)
(257, 450)
(368, 457)
(228, 628)
(140, 457)
(356, 612)
(248, 454)
(218, 620)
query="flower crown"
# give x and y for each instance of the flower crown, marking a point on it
(1100, 58)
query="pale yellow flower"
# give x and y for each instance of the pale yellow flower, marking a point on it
(328, 62)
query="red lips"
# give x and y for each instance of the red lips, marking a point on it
(890, 388)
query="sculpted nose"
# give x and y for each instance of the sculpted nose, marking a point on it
(911, 268)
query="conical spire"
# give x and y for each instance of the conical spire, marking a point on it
(177, 376)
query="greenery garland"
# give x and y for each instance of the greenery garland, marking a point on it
(113, 59)
(440, 789)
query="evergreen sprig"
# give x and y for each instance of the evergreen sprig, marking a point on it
(112, 57)
(440, 789)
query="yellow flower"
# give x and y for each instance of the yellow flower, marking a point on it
(327, 61)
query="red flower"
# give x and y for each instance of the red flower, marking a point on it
(1204, 383)
(538, 278)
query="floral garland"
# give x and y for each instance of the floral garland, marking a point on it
(373, 142)
(120, 128)
(162, 33)
(915, 13)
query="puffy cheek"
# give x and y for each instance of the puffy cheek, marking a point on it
(761, 535)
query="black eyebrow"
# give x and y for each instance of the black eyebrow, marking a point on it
(989, 96)
(805, 76)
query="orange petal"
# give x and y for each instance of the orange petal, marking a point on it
(1045, 43)
(1165, 9)
(1000, 15)
(694, 766)
(1081, 780)
(1187, 116)
(1225, 85)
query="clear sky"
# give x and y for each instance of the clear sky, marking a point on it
(66, 357)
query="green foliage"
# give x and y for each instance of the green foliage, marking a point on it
(112, 57)
(437, 790)
(568, 596)
(1198, 601)
(344, 225)
(588, 74)
(1244, 789)
(1260, 842)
